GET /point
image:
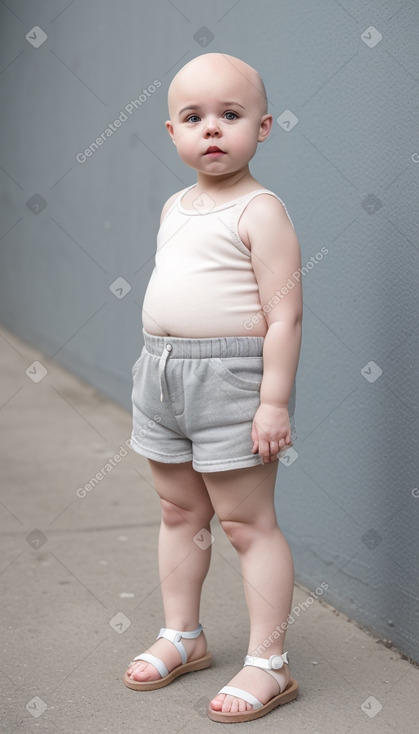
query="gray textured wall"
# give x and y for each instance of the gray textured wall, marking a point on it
(342, 80)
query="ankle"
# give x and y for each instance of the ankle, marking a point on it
(182, 624)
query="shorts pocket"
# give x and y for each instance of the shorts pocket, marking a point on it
(242, 372)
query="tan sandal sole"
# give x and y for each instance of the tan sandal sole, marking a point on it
(289, 694)
(151, 685)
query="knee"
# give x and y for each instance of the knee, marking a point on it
(240, 534)
(174, 516)
(244, 534)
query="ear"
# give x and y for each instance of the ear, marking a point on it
(265, 127)
(169, 128)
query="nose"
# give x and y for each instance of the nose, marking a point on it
(211, 127)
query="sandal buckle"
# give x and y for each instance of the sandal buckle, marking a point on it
(276, 662)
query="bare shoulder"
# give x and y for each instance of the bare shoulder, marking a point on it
(266, 205)
(262, 214)
(170, 201)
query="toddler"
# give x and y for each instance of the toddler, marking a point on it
(214, 387)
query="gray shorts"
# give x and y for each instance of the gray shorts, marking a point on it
(195, 400)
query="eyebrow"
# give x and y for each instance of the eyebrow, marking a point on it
(197, 106)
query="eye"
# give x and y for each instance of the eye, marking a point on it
(193, 118)
(231, 115)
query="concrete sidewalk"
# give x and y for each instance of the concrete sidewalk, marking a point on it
(80, 592)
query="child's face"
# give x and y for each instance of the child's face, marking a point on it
(217, 116)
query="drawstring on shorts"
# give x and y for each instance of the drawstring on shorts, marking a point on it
(162, 366)
(193, 348)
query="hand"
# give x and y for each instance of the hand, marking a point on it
(271, 431)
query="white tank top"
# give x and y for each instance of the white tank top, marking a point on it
(203, 284)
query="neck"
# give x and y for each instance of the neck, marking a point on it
(218, 184)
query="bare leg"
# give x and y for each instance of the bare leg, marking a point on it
(244, 502)
(183, 565)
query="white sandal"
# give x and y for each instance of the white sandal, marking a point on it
(274, 663)
(175, 637)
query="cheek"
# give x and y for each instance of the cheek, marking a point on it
(185, 146)
(186, 149)
(246, 142)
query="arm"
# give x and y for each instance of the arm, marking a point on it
(275, 255)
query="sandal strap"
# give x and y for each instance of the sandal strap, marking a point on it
(239, 693)
(175, 637)
(159, 664)
(271, 666)
(275, 662)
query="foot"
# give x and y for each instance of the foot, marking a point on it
(166, 651)
(255, 681)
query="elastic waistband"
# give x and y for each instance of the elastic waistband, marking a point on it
(191, 348)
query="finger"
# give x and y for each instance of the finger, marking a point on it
(264, 450)
(273, 456)
(255, 439)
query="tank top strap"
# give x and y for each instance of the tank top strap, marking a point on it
(237, 210)
(178, 199)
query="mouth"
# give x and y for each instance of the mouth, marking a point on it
(213, 150)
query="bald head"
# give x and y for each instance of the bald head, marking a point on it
(222, 73)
